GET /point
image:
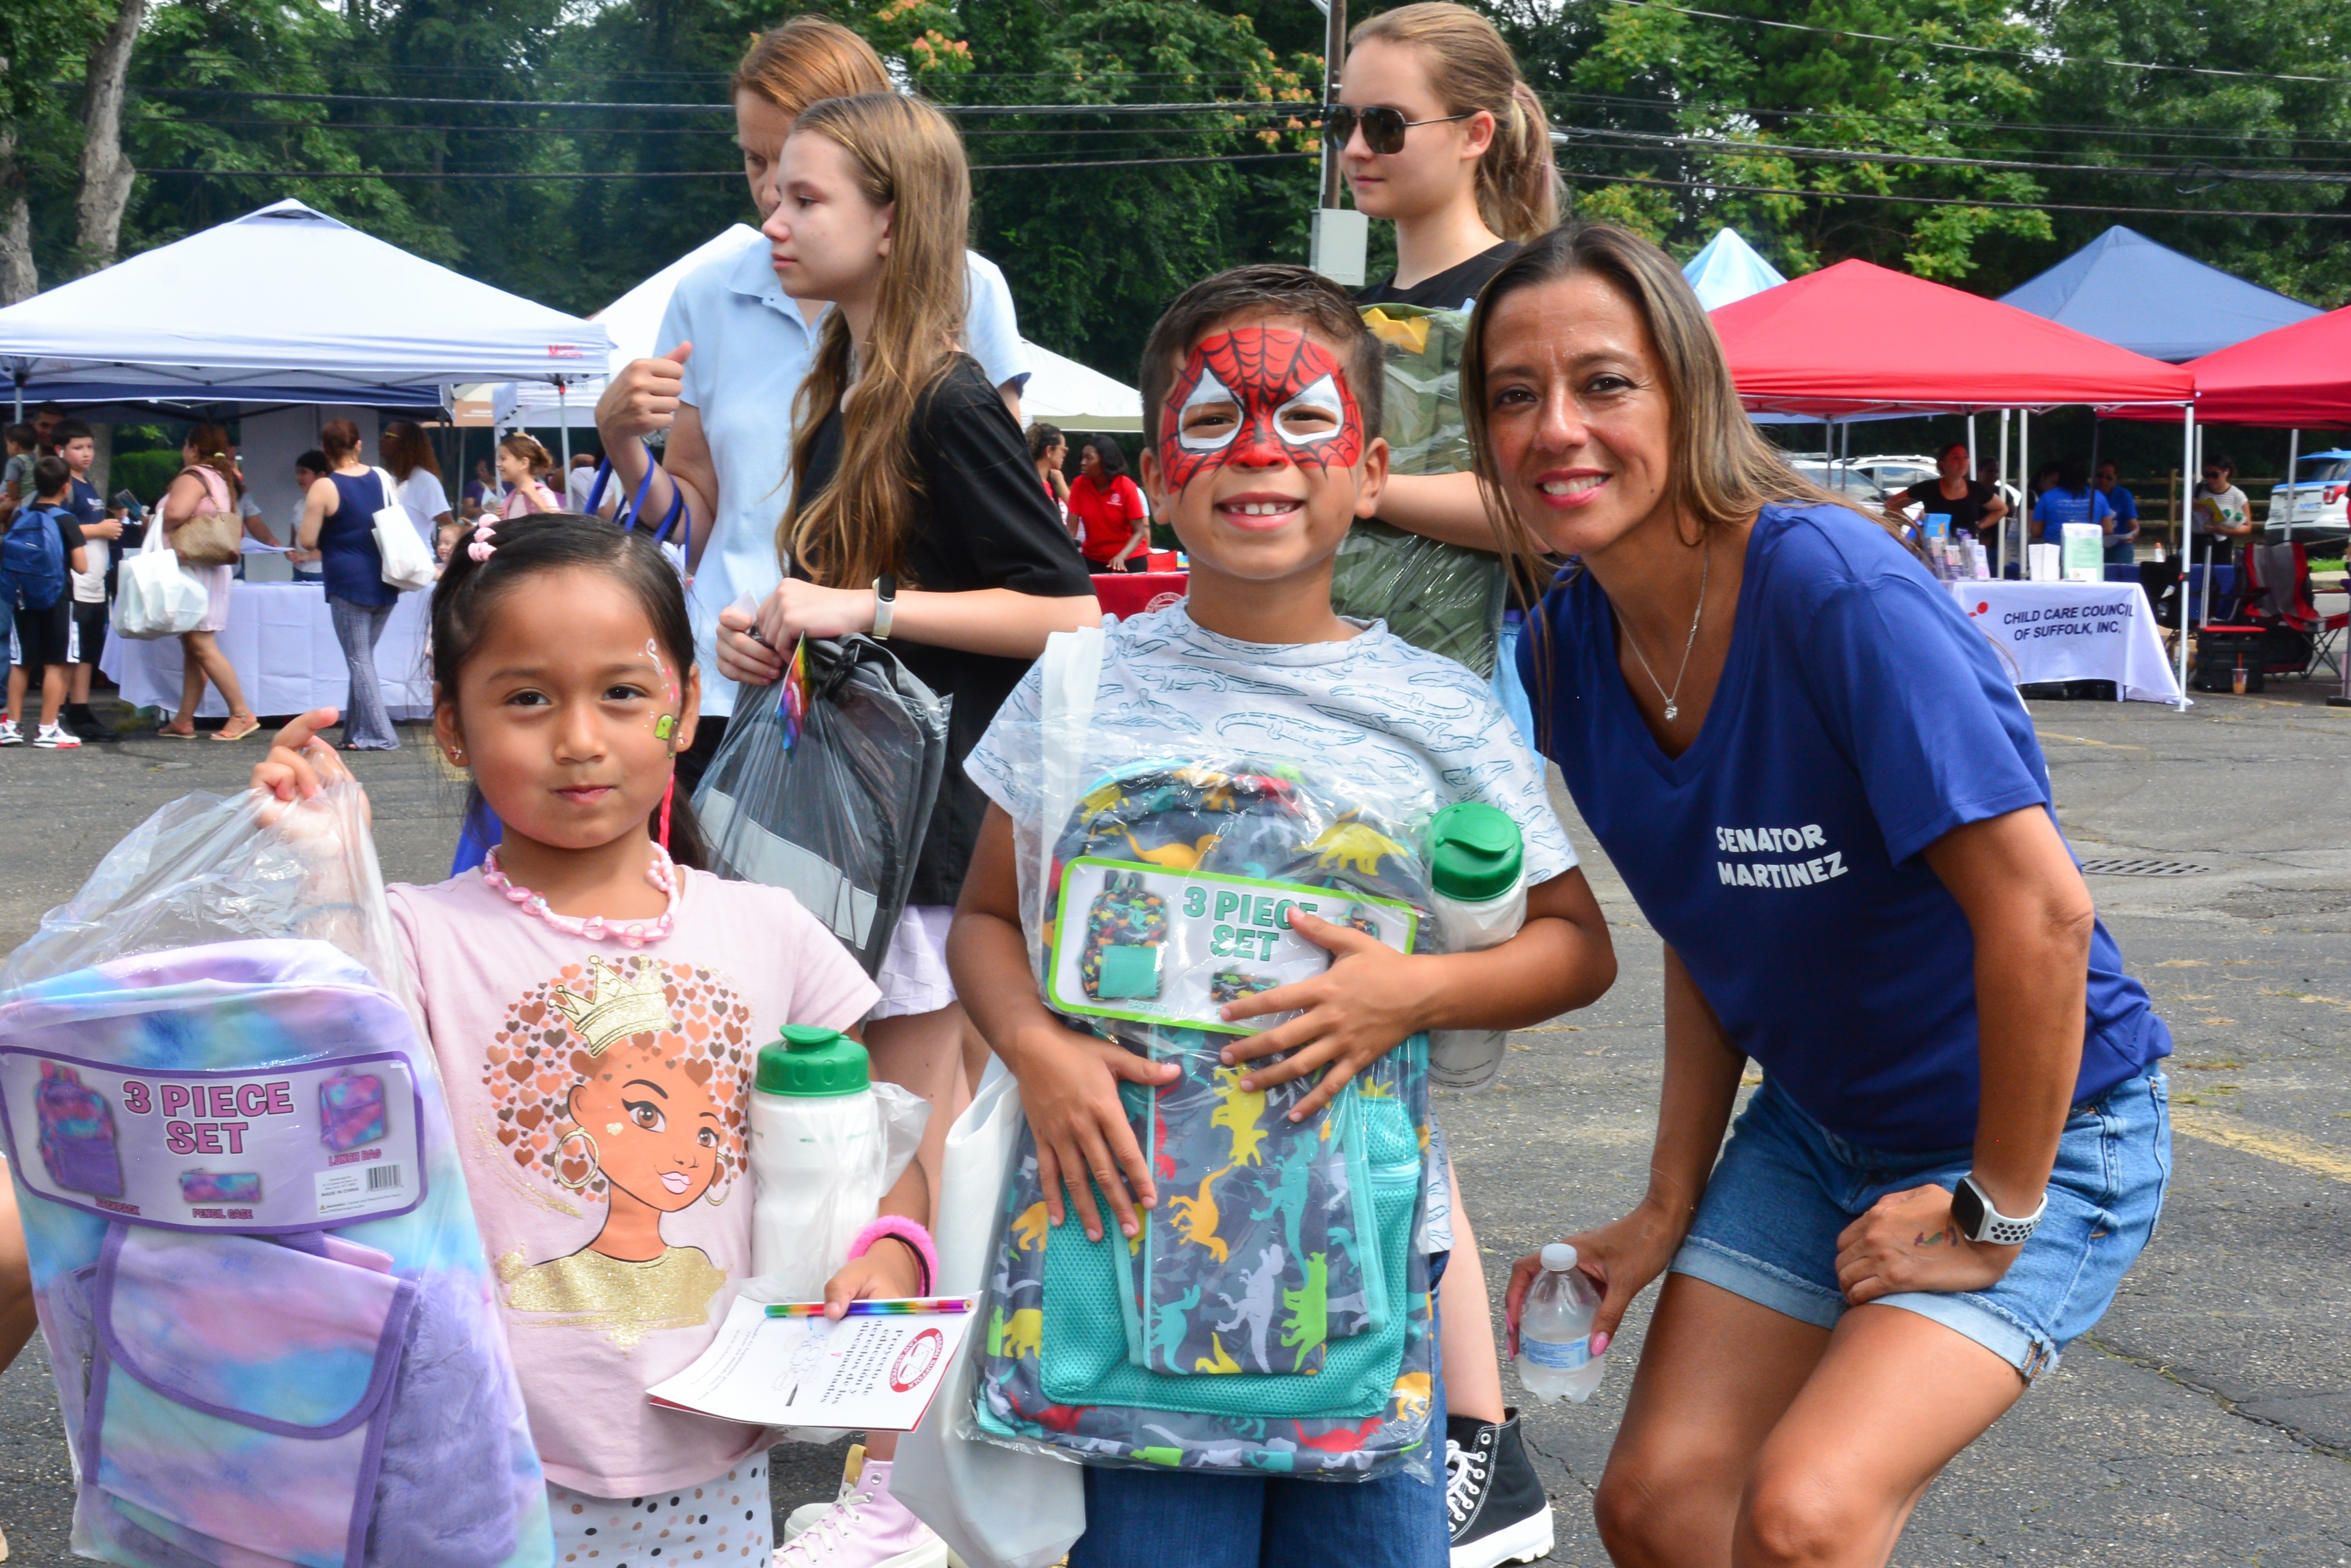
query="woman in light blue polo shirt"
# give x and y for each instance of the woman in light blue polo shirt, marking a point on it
(737, 350)
(1827, 797)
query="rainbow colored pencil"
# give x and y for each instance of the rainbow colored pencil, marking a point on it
(877, 1309)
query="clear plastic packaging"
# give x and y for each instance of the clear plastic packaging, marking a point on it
(820, 1168)
(1272, 1317)
(825, 785)
(223, 1120)
(1433, 595)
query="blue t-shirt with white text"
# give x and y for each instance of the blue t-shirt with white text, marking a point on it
(1858, 719)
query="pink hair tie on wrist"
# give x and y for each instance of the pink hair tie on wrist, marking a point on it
(907, 1232)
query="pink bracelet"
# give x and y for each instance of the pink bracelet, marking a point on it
(907, 1232)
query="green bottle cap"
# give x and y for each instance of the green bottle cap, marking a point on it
(1474, 852)
(811, 1061)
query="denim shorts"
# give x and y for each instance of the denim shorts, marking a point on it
(1187, 1518)
(1786, 1187)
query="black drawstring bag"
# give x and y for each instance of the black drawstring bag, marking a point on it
(825, 785)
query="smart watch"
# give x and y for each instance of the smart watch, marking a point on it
(1977, 1220)
(885, 605)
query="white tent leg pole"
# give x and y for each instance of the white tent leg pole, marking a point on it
(2204, 614)
(2293, 495)
(563, 412)
(2024, 492)
(2000, 477)
(2188, 457)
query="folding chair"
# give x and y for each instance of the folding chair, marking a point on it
(2279, 600)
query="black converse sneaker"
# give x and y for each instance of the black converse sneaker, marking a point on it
(1493, 1498)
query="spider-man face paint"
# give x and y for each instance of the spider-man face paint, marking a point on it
(1259, 396)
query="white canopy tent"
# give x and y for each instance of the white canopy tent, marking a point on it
(285, 305)
(1728, 269)
(1060, 389)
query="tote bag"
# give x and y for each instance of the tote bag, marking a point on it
(995, 1507)
(153, 597)
(214, 536)
(407, 564)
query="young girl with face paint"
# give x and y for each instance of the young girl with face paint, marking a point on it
(596, 1004)
(1262, 392)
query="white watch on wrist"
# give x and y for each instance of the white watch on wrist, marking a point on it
(1979, 1220)
(885, 605)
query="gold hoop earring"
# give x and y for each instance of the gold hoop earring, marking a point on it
(595, 1159)
(719, 1201)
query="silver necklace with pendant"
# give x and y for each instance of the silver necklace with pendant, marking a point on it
(1673, 706)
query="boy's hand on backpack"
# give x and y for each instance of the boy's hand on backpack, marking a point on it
(1068, 1092)
(1354, 1012)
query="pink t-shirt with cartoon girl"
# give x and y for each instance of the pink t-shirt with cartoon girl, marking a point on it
(600, 1097)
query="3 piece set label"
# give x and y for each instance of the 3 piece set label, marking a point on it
(1171, 948)
(322, 1144)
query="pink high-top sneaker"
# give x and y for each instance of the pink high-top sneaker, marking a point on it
(866, 1528)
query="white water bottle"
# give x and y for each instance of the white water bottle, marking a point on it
(818, 1160)
(1555, 1359)
(1476, 872)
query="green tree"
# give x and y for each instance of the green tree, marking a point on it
(1678, 124)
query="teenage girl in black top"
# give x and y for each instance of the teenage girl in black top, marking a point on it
(915, 511)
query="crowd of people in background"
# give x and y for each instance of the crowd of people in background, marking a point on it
(1859, 1286)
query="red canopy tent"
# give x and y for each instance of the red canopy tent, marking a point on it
(1856, 338)
(2293, 376)
(2296, 376)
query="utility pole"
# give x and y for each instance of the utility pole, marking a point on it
(1341, 234)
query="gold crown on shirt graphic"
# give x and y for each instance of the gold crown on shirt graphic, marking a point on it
(616, 1006)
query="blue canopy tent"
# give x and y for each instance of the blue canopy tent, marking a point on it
(2126, 290)
(1728, 269)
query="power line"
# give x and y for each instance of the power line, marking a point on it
(2027, 55)
(2177, 133)
(981, 110)
(1945, 201)
(680, 174)
(1754, 149)
(393, 127)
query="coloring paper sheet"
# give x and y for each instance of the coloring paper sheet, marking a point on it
(870, 1374)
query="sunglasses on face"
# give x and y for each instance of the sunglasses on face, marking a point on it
(1384, 129)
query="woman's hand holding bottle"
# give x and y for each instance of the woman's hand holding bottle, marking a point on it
(1620, 1259)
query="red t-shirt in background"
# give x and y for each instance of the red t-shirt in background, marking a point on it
(1108, 520)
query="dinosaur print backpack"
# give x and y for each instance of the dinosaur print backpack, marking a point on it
(1272, 1315)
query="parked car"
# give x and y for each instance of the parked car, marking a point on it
(1893, 473)
(1851, 483)
(2315, 508)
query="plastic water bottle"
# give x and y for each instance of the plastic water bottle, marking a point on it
(817, 1158)
(1555, 1359)
(1478, 899)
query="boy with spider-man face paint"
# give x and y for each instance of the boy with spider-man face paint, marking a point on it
(1262, 392)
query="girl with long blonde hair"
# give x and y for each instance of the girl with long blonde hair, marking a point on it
(915, 517)
(1438, 133)
(735, 346)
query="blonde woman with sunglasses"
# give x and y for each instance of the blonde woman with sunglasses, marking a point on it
(1438, 134)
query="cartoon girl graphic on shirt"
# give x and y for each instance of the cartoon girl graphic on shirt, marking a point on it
(623, 1083)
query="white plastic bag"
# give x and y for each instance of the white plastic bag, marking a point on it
(994, 1506)
(407, 564)
(154, 596)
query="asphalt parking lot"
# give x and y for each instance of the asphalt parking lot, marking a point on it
(2206, 1420)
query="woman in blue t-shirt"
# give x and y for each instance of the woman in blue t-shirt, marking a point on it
(1820, 786)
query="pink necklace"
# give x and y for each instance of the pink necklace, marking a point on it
(662, 874)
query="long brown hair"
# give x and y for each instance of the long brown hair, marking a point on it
(908, 156)
(1470, 68)
(1722, 470)
(211, 442)
(806, 61)
(406, 448)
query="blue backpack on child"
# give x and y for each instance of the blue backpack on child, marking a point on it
(33, 557)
